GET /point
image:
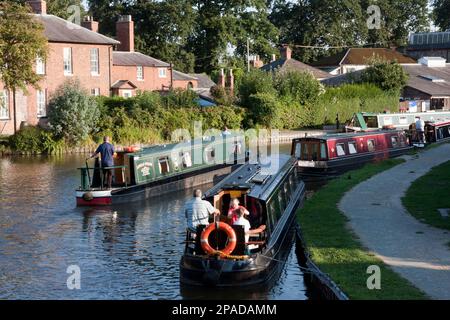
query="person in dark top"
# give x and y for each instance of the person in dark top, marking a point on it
(106, 150)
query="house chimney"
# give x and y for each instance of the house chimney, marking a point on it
(38, 6)
(256, 62)
(221, 79)
(90, 24)
(286, 52)
(125, 33)
(230, 81)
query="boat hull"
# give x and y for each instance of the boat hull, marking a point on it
(153, 189)
(310, 170)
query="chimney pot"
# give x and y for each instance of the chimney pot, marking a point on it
(125, 33)
(90, 24)
(221, 80)
(38, 6)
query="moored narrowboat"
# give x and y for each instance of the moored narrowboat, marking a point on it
(330, 155)
(228, 260)
(435, 132)
(157, 170)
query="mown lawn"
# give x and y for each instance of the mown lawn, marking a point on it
(338, 252)
(428, 194)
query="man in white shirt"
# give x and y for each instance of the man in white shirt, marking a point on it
(420, 129)
(197, 211)
(241, 221)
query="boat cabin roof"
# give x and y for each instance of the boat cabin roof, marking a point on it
(338, 136)
(165, 148)
(252, 177)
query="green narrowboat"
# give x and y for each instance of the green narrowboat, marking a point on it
(161, 169)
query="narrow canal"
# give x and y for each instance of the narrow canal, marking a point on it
(128, 252)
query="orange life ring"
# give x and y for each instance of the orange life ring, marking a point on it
(204, 239)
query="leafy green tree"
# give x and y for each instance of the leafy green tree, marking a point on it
(441, 14)
(256, 81)
(299, 86)
(107, 13)
(22, 39)
(387, 75)
(73, 114)
(60, 8)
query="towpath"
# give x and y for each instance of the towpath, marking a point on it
(418, 252)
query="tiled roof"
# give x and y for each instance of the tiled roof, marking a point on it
(204, 81)
(294, 65)
(60, 30)
(123, 84)
(177, 75)
(360, 56)
(124, 58)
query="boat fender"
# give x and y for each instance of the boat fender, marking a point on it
(204, 239)
(88, 196)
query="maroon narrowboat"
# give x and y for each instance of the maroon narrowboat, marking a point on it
(330, 155)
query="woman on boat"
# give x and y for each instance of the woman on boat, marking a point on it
(242, 221)
(233, 212)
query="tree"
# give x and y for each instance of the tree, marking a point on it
(22, 39)
(60, 8)
(441, 14)
(299, 86)
(73, 114)
(387, 75)
(256, 81)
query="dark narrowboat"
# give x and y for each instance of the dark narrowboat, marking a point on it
(272, 200)
(162, 169)
(330, 155)
(435, 132)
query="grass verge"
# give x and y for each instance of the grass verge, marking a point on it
(338, 252)
(428, 194)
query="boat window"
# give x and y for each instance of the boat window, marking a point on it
(281, 200)
(323, 150)
(371, 145)
(175, 163)
(304, 152)
(352, 147)
(314, 151)
(287, 191)
(394, 141)
(186, 159)
(210, 154)
(340, 149)
(164, 165)
(371, 121)
(298, 148)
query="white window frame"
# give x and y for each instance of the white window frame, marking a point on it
(140, 73)
(352, 147)
(40, 66)
(373, 147)
(41, 103)
(4, 104)
(95, 92)
(343, 153)
(67, 61)
(162, 72)
(94, 54)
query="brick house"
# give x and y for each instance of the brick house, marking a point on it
(74, 53)
(80, 52)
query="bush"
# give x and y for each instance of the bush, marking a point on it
(299, 86)
(387, 75)
(73, 114)
(34, 140)
(254, 82)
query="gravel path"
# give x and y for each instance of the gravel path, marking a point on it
(416, 251)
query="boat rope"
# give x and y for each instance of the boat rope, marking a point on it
(220, 254)
(304, 269)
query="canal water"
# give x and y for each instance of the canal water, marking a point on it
(129, 252)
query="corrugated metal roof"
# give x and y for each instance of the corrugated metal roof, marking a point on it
(60, 30)
(418, 81)
(283, 65)
(360, 56)
(125, 58)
